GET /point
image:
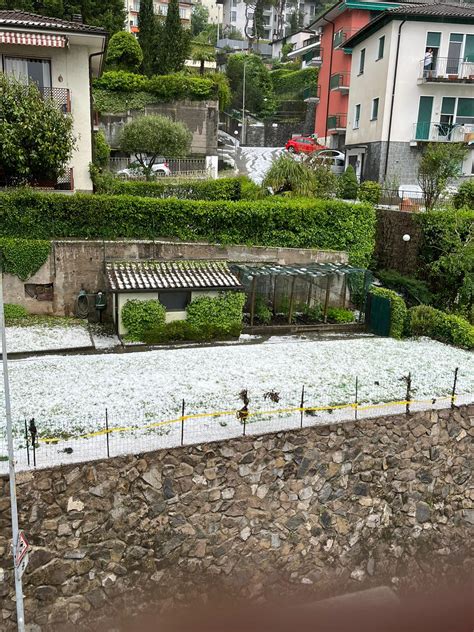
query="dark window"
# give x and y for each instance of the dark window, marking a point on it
(361, 61)
(381, 47)
(175, 301)
(41, 292)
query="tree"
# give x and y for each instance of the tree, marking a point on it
(258, 26)
(149, 137)
(147, 35)
(36, 138)
(259, 94)
(293, 22)
(348, 184)
(202, 54)
(101, 153)
(207, 35)
(124, 52)
(440, 164)
(199, 19)
(300, 177)
(174, 43)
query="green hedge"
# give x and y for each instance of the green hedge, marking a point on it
(140, 316)
(398, 310)
(296, 223)
(211, 190)
(464, 198)
(23, 257)
(448, 328)
(223, 311)
(292, 83)
(414, 290)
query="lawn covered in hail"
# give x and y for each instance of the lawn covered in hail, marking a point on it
(68, 395)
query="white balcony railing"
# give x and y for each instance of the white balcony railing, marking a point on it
(443, 132)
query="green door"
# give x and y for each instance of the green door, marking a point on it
(469, 48)
(424, 118)
(378, 315)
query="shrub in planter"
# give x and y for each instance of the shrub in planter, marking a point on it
(14, 312)
(398, 310)
(140, 316)
(370, 191)
(339, 315)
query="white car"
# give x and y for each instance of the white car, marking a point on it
(336, 159)
(159, 169)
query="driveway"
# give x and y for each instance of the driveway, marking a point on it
(255, 161)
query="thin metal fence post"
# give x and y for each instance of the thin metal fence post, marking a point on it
(408, 396)
(356, 404)
(182, 421)
(301, 406)
(27, 443)
(244, 425)
(453, 394)
(107, 431)
(33, 432)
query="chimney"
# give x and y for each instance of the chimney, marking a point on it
(77, 17)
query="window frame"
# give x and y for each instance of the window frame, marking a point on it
(174, 293)
(381, 41)
(361, 62)
(372, 117)
(357, 111)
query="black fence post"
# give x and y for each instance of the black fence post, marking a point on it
(107, 432)
(244, 424)
(27, 443)
(33, 432)
(408, 395)
(301, 406)
(453, 394)
(182, 421)
(356, 399)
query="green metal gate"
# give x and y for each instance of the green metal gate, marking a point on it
(378, 315)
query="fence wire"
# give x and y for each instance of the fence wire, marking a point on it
(250, 412)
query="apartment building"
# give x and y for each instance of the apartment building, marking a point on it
(412, 82)
(60, 57)
(160, 7)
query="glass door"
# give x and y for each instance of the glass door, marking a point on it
(456, 41)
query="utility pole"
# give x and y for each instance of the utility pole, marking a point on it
(20, 612)
(243, 105)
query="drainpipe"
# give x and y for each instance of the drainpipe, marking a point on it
(393, 99)
(330, 71)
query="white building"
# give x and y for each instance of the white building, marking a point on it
(60, 57)
(412, 82)
(215, 9)
(160, 7)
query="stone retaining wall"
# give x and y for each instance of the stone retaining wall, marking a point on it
(382, 501)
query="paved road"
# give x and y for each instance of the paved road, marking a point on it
(255, 161)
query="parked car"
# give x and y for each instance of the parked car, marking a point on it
(135, 170)
(303, 145)
(336, 159)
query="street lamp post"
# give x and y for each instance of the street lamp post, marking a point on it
(243, 105)
(13, 504)
(406, 238)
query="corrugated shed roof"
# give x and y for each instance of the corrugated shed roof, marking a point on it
(24, 19)
(129, 276)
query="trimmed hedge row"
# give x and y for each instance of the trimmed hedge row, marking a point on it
(297, 223)
(398, 310)
(428, 321)
(210, 190)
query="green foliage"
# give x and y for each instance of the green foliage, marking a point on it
(259, 94)
(151, 136)
(148, 27)
(304, 223)
(182, 330)
(36, 139)
(202, 53)
(101, 151)
(221, 189)
(124, 52)
(258, 20)
(199, 19)
(340, 315)
(173, 43)
(262, 312)
(440, 164)
(249, 190)
(140, 316)
(370, 191)
(23, 257)
(464, 198)
(313, 313)
(118, 91)
(224, 311)
(348, 185)
(414, 290)
(305, 177)
(398, 310)
(434, 323)
(14, 312)
(289, 83)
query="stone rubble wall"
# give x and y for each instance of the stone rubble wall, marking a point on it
(327, 508)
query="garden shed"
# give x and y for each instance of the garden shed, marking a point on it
(174, 283)
(304, 292)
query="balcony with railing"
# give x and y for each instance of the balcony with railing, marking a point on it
(446, 70)
(443, 132)
(60, 97)
(313, 57)
(340, 82)
(311, 95)
(337, 123)
(341, 36)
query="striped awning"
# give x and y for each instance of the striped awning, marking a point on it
(33, 39)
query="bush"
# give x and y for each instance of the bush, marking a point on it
(222, 189)
(464, 198)
(262, 312)
(348, 184)
(314, 313)
(339, 315)
(414, 290)
(223, 311)
(448, 328)
(370, 192)
(23, 257)
(140, 316)
(101, 151)
(182, 330)
(305, 223)
(398, 310)
(14, 312)
(124, 52)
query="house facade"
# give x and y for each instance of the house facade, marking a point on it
(59, 57)
(160, 7)
(412, 82)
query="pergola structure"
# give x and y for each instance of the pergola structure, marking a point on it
(333, 282)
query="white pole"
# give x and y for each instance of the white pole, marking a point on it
(20, 613)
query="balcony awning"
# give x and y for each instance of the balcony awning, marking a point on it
(33, 39)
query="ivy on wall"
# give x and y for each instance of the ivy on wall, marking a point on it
(23, 257)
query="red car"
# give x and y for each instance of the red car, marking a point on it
(303, 145)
